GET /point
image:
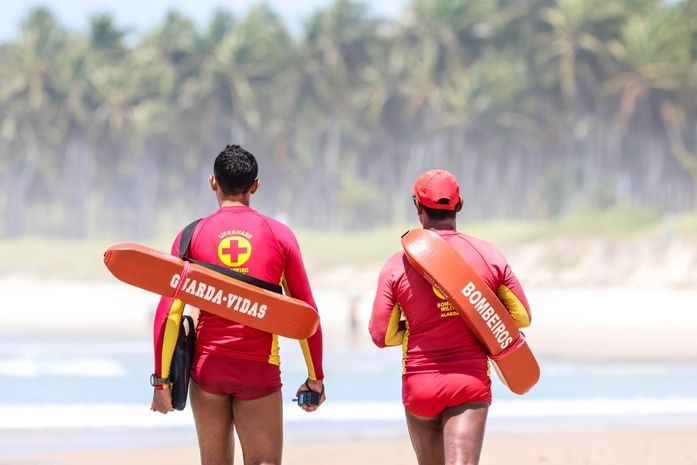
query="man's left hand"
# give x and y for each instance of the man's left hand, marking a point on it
(162, 401)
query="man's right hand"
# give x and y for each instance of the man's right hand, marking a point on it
(162, 401)
(310, 385)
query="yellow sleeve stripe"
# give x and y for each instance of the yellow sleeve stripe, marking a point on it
(274, 358)
(308, 359)
(393, 335)
(515, 307)
(303, 343)
(405, 348)
(169, 340)
(284, 284)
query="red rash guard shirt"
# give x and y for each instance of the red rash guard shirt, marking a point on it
(246, 241)
(434, 338)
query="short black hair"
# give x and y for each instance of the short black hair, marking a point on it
(235, 169)
(439, 214)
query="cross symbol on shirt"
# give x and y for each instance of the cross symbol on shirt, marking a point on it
(234, 251)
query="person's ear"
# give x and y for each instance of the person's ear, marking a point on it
(458, 207)
(255, 186)
(214, 183)
(420, 213)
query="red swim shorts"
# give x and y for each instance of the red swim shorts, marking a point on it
(428, 394)
(241, 379)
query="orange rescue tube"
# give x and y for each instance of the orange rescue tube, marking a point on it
(161, 273)
(477, 304)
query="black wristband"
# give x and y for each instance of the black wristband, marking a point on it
(310, 389)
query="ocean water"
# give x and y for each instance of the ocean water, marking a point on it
(104, 383)
(51, 387)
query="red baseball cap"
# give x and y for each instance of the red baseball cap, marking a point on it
(437, 189)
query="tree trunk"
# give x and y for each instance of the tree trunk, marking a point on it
(76, 186)
(148, 180)
(18, 181)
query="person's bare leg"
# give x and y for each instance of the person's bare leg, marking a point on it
(214, 425)
(259, 424)
(463, 432)
(426, 435)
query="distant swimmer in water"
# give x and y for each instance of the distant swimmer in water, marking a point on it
(353, 304)
(446, 387)
(236, 379)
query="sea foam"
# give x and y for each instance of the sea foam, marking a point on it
(36, 416)
(30, 367)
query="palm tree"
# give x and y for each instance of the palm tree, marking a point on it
(651, 61)
(245, 92)
(544, 105)
(335, 54)
(655, 87)
(104, 82)
(165, 64)
(435, 45)
(27, 98)
(441, 39)
(574, 42)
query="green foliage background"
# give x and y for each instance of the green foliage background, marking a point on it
(542, 108)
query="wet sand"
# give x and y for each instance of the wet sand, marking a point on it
(658, 446)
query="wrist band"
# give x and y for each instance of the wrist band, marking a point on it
(310, 389)
(155, 381)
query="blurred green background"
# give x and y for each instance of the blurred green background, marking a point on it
(544, 109)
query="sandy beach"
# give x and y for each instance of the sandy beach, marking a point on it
(627, 447)
(563, 319)
(610, 377)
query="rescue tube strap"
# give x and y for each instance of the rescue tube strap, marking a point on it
(510, 349)
(185, 238)
(182, 280)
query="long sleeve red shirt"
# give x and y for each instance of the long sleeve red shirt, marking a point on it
(246, 241)
(409, 311)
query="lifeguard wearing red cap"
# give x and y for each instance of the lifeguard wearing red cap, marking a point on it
(437, 189)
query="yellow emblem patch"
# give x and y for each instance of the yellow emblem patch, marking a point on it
(445, 307)
(234, 251)
(439, 294)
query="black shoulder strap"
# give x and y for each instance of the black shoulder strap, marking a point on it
(185, 243)
(185, 239)
(239, 276)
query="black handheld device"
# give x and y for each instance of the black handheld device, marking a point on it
(307, 398)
